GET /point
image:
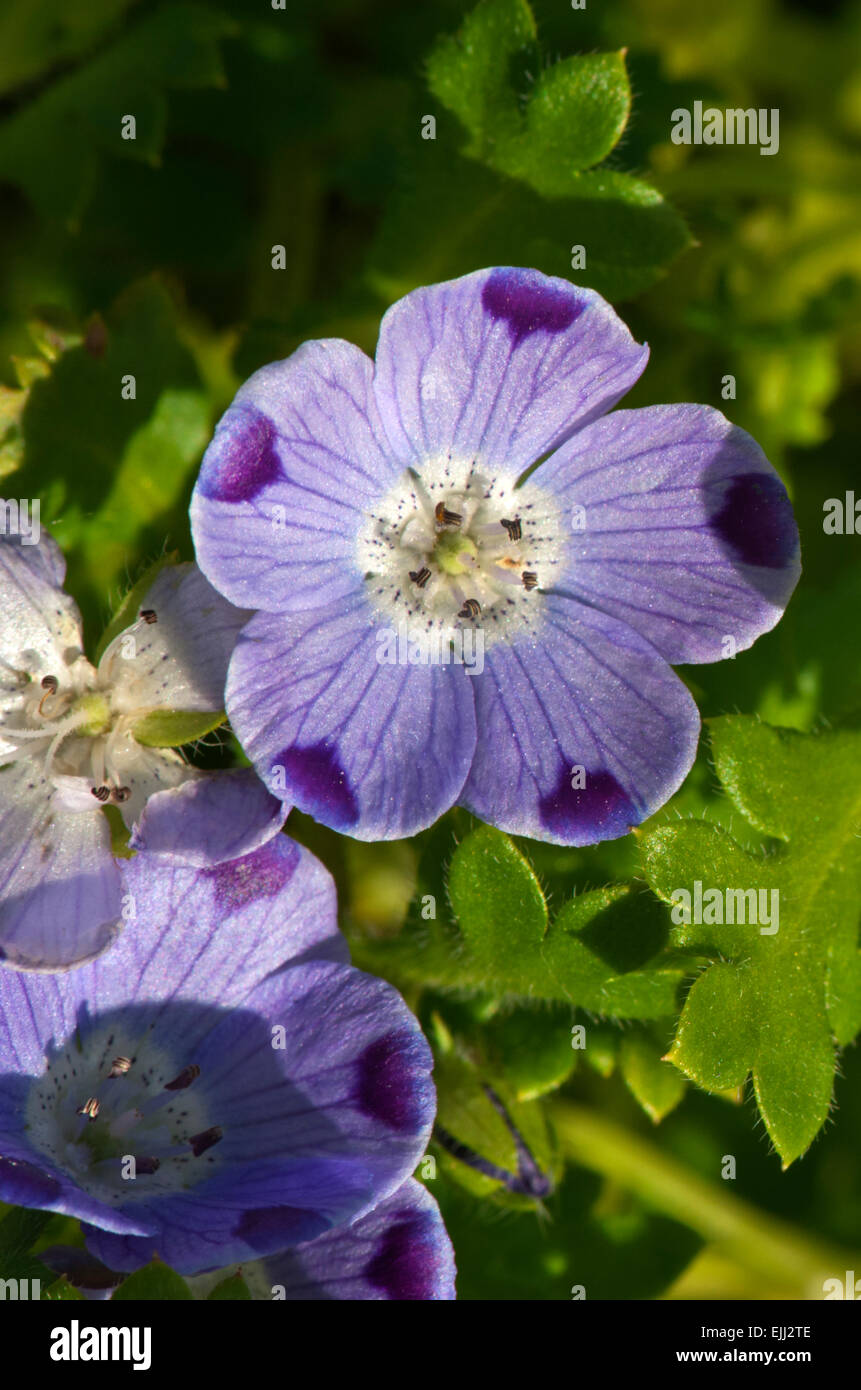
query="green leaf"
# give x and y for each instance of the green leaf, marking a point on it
(512, 179)
(32, 40)
(20, 1228)
(497, 899)
(171, 728)
(154, 1283)
(61, 1291)
(531, 1049)
(53, 146)
(112, 471)
(233, 1289)
(772, 1003)
(655, 1083)
(529, 122)
(467, 1114)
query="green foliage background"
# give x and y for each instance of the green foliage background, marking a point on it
(302, 127)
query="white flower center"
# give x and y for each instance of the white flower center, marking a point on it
(450, 545)
(124, 1122)
(77, 722)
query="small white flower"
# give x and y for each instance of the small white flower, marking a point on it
(76, 738)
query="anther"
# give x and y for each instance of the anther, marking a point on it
(120, 793)
(146, 1165)
(149, 616)
(185, 1078)
(51, 684)
(101, 793)
(513, 528)
(119, 1067)
(530, 579)
(205, 1140)
(471, 609)
(90, 1108)
(444, 517)
(420, 577)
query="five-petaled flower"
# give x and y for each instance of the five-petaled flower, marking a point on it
(343, 497)
(76, 739)
(222, 1084)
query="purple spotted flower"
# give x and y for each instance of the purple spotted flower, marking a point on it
(222, 1084)
(439, 621)
(76, 739)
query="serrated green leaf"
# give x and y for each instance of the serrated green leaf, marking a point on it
(530, 122)
(773, 1003)
(497, 899)
(170, 728)
(154, 1283)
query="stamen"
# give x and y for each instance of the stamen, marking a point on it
(120, 1066)
(51, 684)
(443, 517)
(185, 1078)
(205, 1140)
(471, 609)
(90, 1108)
(149, 616)
(420, 577)
(530, 579)
(512, 527)
(121, 793)
(101, 793)
(146, 1165)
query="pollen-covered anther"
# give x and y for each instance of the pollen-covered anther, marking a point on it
(512, 527)
(205, 1140)
(120, 1066)
(444, 517)
(420, 577)
(120, 794)
(149, 616)
(185, 1078)
(90, 1108)
(101, 793)
(530, 579)
(471, 609)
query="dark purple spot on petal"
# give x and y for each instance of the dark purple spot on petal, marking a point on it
(393, 1084)
(261, 874)
(23, 1184)
(276, 1228)
(318, 785)
(530, 302)
(600, 810)
(757, 520)
(241, 460)
(404, 1265)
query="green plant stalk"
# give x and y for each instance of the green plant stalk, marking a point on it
(771, 1248)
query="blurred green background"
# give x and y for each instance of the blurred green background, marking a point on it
(301, 128)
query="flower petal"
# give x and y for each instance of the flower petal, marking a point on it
(583, 730)
(500, 365)
(317, 1129)
(686, 532)
(373, 749)
(400, 1250)
(40, 626)
(60, 902)
(297, 460)
(209, 820)
(178, 659)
